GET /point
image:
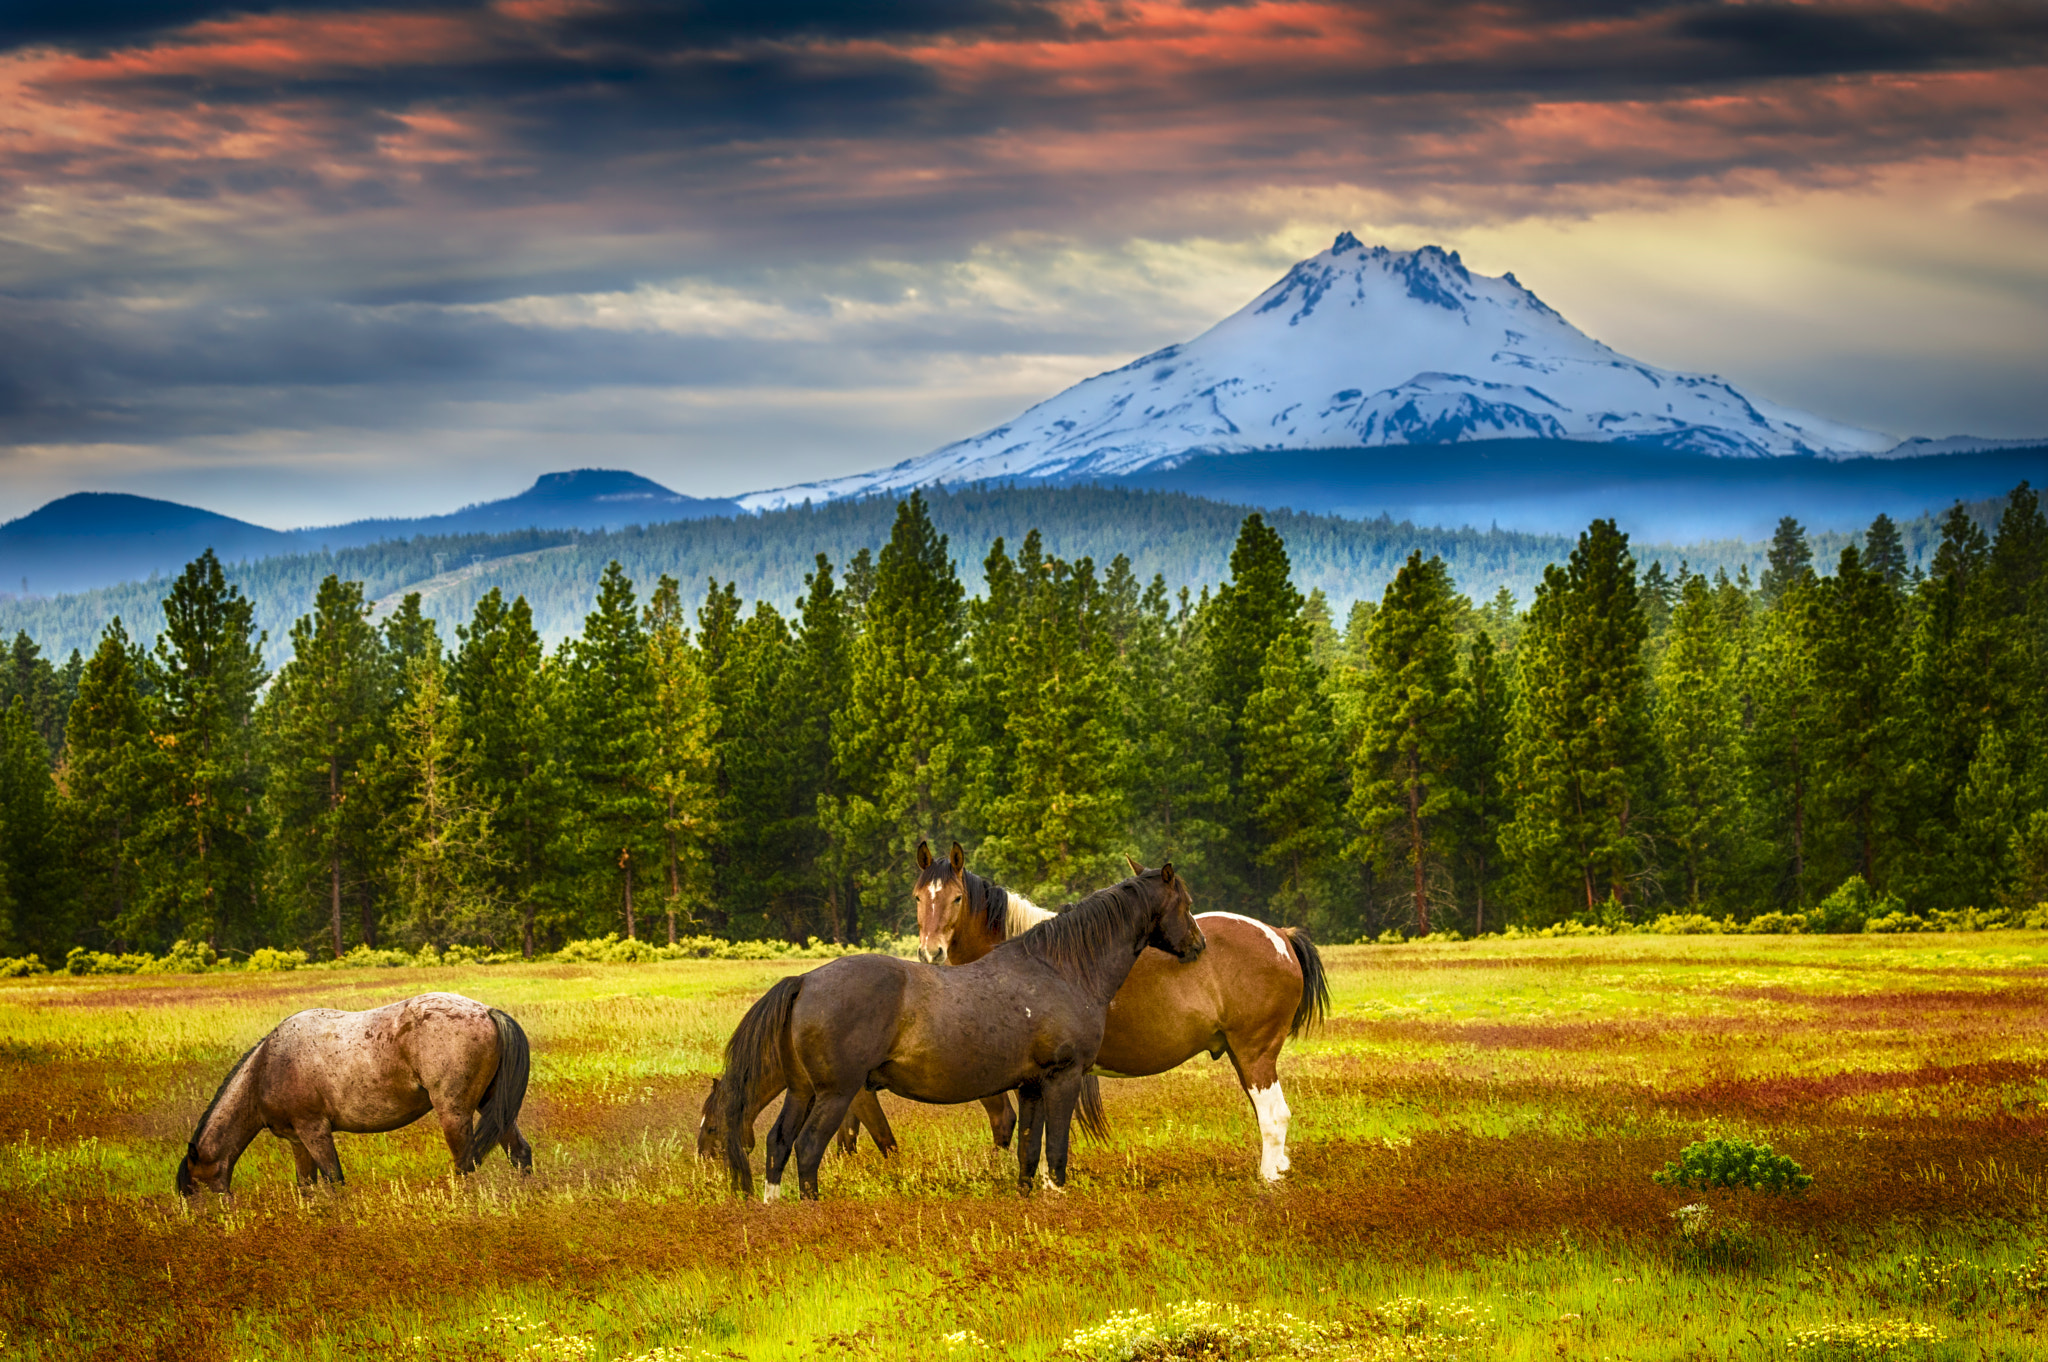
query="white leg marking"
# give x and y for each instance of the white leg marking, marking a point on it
(1271, 1106)
(771, 1192)
(1279, 943)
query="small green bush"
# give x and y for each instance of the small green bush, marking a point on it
(1896, 922)
(82, 961)
(1850, 907)
(1733, 1163)
(1689, 924)
(184, 957)
(1775, 924)
(264, 960)
(20, 966)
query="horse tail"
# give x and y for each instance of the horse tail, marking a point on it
(499, 1109)
(1315, 984)
(758, 1035)
(1093, 1119)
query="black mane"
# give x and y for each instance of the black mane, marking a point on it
(1080, 933)
(991, 901)
(192, 1145)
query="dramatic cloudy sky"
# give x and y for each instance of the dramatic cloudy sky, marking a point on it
(313, 259)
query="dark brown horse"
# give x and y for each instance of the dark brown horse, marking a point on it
(1256, 986)
(1026, 1016)
(365, 1072)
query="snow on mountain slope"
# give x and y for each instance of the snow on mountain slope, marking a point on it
(1363, 347)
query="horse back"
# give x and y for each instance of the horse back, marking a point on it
(375, 1070)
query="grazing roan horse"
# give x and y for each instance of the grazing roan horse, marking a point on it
(1256, 986)
(365, 1072)
(1028, 1016)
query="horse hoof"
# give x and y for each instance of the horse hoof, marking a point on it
(771, 1193)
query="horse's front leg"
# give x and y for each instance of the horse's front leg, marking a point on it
(826, 1113)
(1031, 1120)
(796, 1106)
(1002, 1121)
(867, 1110)
(308, 1170)
(317, 1138)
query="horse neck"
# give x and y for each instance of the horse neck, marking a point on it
(233, 1120)
(1104, 973)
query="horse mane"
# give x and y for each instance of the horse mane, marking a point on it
(990, 902)
(1079, 933)
(192, 1145)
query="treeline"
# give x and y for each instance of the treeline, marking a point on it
(1635, 742)
(1184, 538)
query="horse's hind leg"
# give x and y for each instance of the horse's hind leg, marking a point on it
(1061, 1097)
(827, 1112)
(1031, 1129)
(458, 1124)
(1260, 1075)
(782, 1139)
(517, 1149)
(302, 1158)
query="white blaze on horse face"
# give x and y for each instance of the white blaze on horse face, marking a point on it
(1271, 1106)
(1277, 941)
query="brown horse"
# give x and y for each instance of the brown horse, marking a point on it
(1027, 1016)
(366, 1072)
(1243, 998)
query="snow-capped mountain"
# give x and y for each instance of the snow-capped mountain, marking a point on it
(1364, 347)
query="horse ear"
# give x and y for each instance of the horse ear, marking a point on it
(1166, 873)
(1132, 861)
(924, 855)
(959, 859)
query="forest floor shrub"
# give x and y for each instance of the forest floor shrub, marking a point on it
(1473, 1136)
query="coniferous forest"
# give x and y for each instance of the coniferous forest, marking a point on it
(1841, 739)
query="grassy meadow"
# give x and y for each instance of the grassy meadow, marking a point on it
(1472, 1141)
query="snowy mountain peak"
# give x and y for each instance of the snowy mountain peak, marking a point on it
(1364, 347)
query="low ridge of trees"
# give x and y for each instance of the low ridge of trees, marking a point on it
(1636, 741)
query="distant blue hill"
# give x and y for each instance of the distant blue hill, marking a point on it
(94, 539)
(1558, 486)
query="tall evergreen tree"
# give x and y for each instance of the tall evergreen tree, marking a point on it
(1256, 606)
(439, 829)
(609, 694)
(821, 680)
(107, 775)
(323, 719)
(1884, 552)
(1484, 807)
(1582, 740)
(26, 675)
(507, 705)
(1055, 826)
(1790, 560)
(1782, 742)
(1699, 728)
(1859, 673)
(1291, 779)
(1405, 790)
(894, 743)
(35, 898)
(1177, 773)
(202, 840)
(681, 755)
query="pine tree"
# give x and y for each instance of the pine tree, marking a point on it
(821, 683)
(322, 723)
(681, 758)
(1483, 808)
(26, 675)
(202, 841)
(1699, 730)
(1405, 791)
(1884, 553)
(1858, 694)
(1988, 819)
(1257, 605)
(1790, 560)
(1055, 827)
(507, 706)
(894, 742)
(1177, 776)
(994, 626)
(1782, 743)
(439, 830)
(1582, 741)
(1291, 772)
(35, 898)
(106, 777)
(609, 692)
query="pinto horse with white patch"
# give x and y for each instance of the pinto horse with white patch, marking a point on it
(365, 1073)
(1252, 989)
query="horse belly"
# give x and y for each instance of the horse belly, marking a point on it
(1165, 1014)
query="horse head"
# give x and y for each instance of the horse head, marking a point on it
(941, 901)
(196, 1173)
(710, 1130)
(1176, 932)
